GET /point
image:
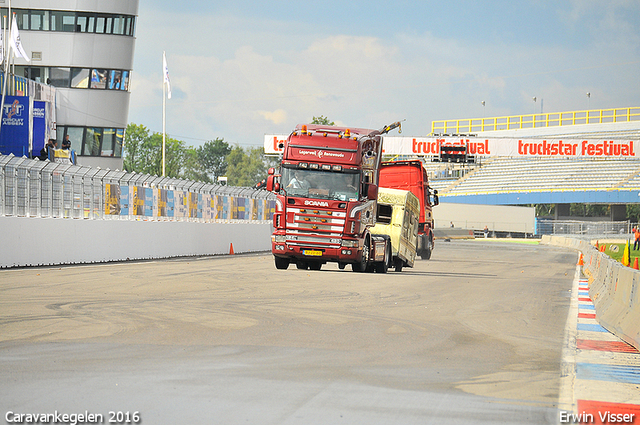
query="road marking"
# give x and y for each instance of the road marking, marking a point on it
(600, 372)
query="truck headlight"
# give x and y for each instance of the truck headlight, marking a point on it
(349, 243)
(281, 238)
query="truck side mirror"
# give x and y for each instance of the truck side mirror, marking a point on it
(436, 198)
(372, 191)
(272, 184)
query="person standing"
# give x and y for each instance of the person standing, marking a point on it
(66, 143)
(636, 243)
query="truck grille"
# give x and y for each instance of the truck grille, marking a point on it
(315, 227)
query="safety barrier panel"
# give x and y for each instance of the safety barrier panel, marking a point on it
(34, 188)
(613, 288)
(554, 119)
(55, 213)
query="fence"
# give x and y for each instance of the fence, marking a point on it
(34, 188)
(587, 228)
(554, 119)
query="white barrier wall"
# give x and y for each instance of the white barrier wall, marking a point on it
(613, 288)
(46, 241)
(501, 218)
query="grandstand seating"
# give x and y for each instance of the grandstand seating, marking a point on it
(543, 174)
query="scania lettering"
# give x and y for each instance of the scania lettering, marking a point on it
(327, 189)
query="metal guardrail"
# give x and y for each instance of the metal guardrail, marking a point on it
(585, 228)
(34, 188)
(553, 119)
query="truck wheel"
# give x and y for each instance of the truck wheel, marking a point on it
(398, 264)
(384, 266)
(302, 265)
(282, 263)
(426, 253)
(364, 262)
(315, 265)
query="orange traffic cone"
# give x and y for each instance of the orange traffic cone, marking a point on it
(597, 246)
(580, 261)
(231, 249)
(602, 248)
(635, 263)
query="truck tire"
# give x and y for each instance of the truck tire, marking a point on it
(315, 265)
(302, 265)
(426, 253)
(364, 262)
(398, 264)
(281, 263)
(383, 267)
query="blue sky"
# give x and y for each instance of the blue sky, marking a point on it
(243, 69)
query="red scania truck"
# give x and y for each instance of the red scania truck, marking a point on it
(411, 175)
(326, 191)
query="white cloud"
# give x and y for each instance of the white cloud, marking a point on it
(278, 116)
(241, 78)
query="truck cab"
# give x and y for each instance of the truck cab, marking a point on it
(327, 189)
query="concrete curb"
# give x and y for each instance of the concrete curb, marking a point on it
(614, 289)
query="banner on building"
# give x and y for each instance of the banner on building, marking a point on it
(506, 147)
(14, 135)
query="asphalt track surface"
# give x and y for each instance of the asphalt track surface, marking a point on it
(472, 336)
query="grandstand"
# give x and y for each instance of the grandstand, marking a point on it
(530, 179)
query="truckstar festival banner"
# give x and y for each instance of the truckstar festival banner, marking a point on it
(486, 147)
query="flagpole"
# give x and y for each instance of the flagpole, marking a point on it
(164, 120)
(5, 66)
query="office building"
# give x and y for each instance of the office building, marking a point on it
(85, 49)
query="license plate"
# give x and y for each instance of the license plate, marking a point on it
(312, 253)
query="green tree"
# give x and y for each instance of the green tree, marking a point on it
(213, 157)
(193, 166)
(136, 135)
(246, 167)
(633, 212)
(143, 152)
(322, 120)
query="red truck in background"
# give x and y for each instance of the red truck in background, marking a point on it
(326, 191)
(411, 175)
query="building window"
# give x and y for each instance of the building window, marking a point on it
(108, 141)
(60, 77)
(39, 20)
(115, 80)
(92, 141)
(119, 25)
(22, 17)
(98, 78)
(69, 21)
(117, 148)
(125, 80)
(75, 136)
(79, 78)
(63, 21)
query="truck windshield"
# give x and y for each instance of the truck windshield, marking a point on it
(321, 184)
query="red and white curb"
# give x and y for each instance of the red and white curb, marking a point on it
(600, 373)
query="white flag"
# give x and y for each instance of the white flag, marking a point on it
(165, 71)
(15, 41)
